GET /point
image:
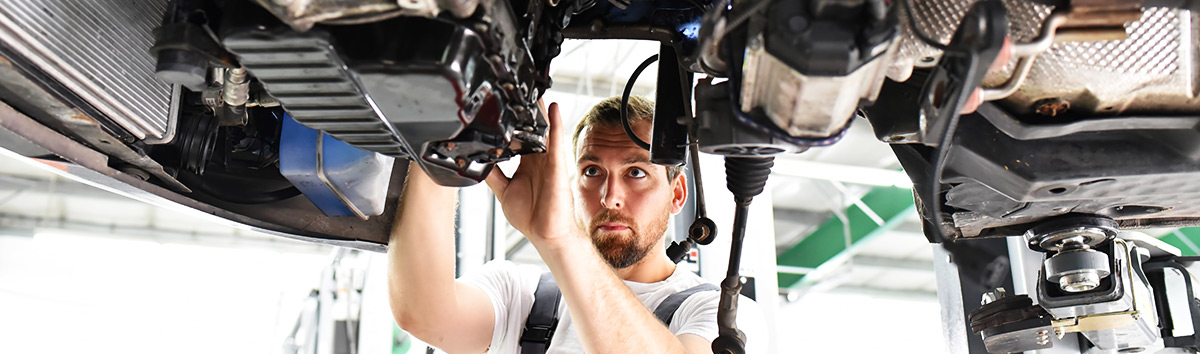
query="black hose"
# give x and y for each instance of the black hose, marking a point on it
(625, 102)
(934, 187)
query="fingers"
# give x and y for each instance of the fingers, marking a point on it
(556, 158)
(497, 181)
(556, 128)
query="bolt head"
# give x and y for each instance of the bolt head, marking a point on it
(992, 296)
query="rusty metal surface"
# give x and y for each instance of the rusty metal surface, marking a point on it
(1152, 71)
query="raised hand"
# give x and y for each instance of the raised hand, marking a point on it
(537, 198)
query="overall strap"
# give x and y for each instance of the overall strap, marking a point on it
(666, 310)
(543, 317)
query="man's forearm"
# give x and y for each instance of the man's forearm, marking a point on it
(421, 250)
(426, 299)
(608, 317)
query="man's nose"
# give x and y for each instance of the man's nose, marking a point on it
(613, 193)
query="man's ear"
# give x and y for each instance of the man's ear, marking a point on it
(679, 192)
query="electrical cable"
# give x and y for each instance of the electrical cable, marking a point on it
(934, 187)
(625, 102)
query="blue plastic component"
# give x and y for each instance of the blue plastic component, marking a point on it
(339, 179)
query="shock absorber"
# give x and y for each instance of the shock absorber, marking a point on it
(745, 177)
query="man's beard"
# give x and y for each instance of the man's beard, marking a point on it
(624, 249)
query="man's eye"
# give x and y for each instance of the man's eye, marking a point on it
(637, 173)
(591, 171)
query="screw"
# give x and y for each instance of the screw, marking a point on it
(992, 296)
(461, 162)
(496, 153)
(451, 146)
(1051, 107)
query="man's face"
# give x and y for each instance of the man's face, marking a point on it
(622, 200)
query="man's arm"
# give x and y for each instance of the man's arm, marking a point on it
(607, 316)
(426, 299)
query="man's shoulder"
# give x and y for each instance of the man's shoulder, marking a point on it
(685, 279)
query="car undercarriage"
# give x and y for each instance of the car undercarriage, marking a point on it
(295, 116)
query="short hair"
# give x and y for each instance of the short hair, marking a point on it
(607, 113)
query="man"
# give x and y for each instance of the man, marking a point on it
(600, 233)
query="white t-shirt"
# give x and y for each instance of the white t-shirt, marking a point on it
(511, 287)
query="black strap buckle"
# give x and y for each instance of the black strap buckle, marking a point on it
(536, 333)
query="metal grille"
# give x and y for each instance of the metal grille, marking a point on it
(1150, 50)
(100, 50)
(309, 79)
(1153, 71)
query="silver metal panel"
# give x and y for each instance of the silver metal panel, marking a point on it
(949, 291)
(1175, 284)
(1154, 70)
(100, 50)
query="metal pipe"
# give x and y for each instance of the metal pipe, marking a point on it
(1014, 82)
(1026, 53)
(236, 89)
